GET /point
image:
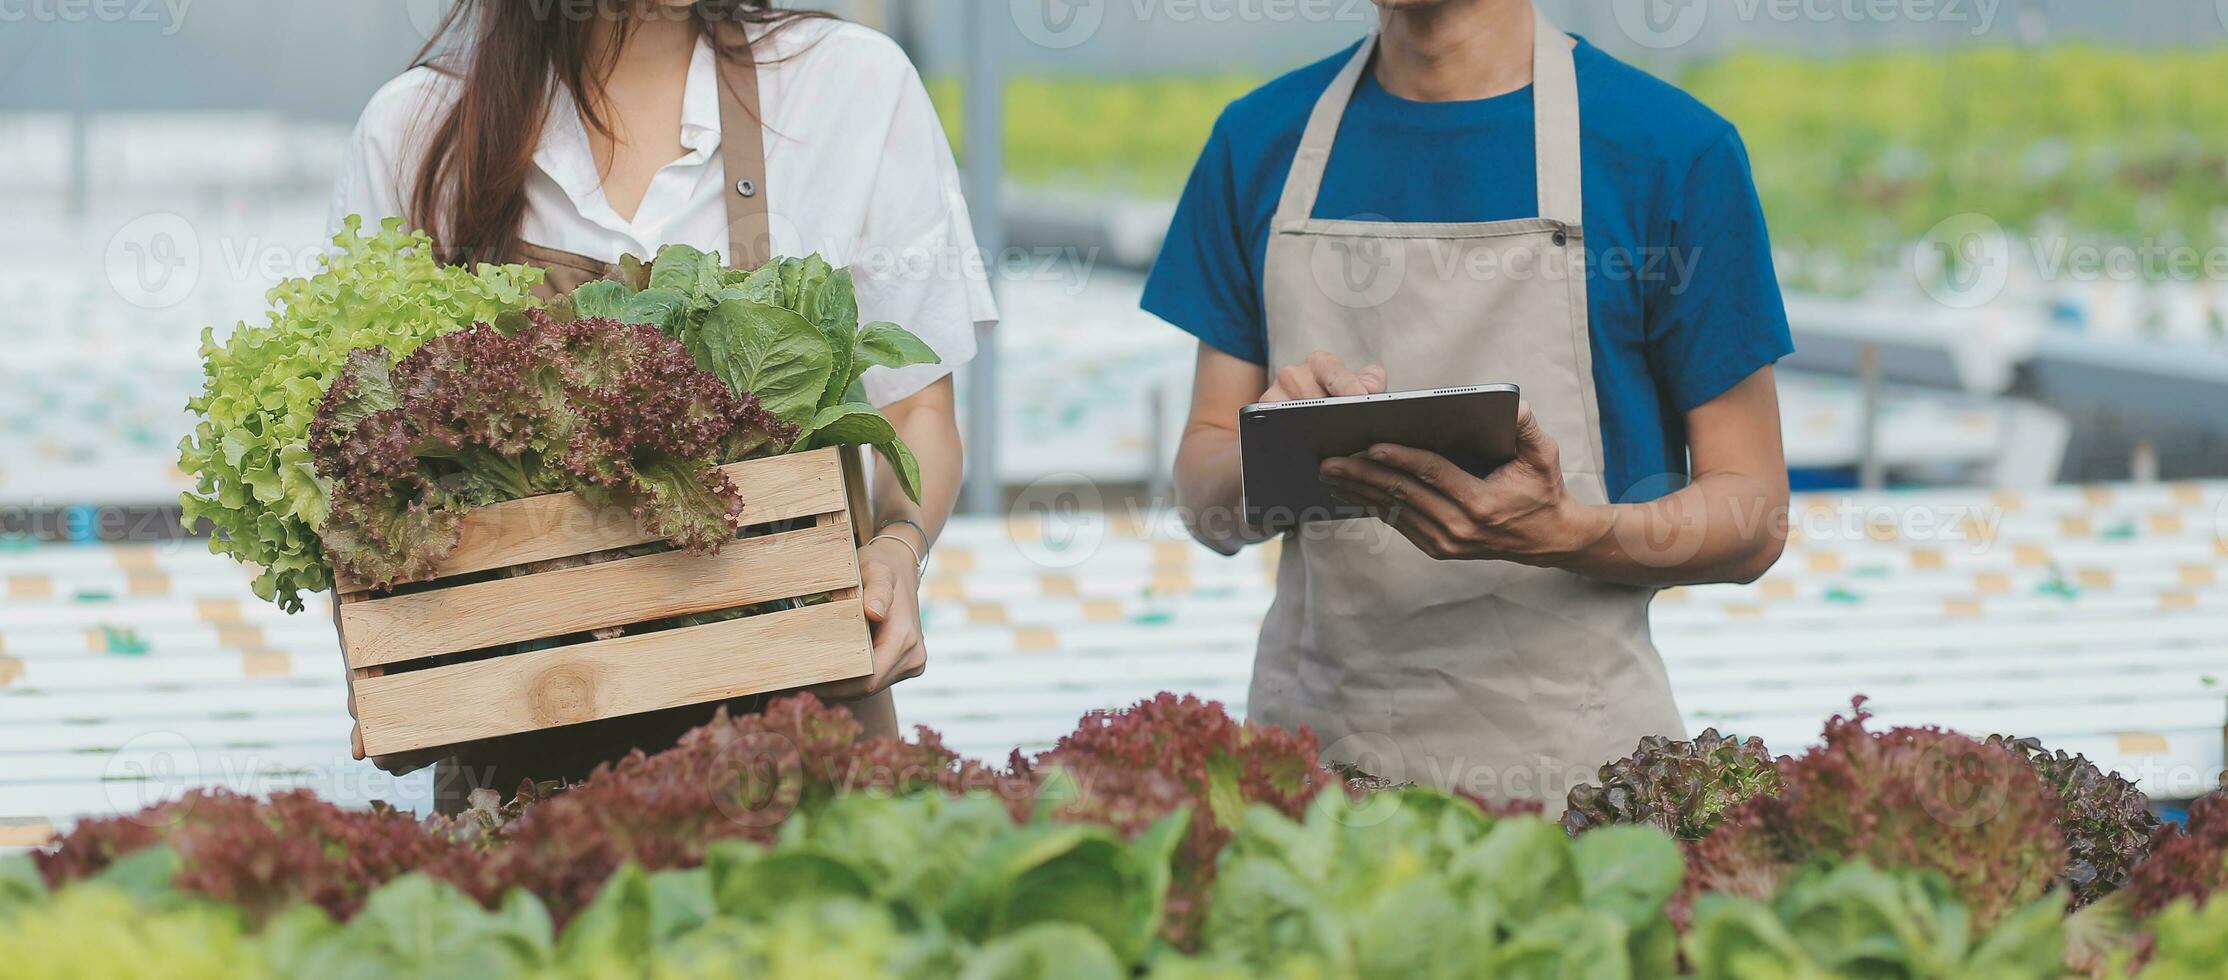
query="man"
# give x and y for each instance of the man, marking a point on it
(1472, 196)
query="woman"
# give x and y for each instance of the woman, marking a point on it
(567, 135)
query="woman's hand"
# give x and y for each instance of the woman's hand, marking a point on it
(890, 587)
(400, 764)
(1520, 512)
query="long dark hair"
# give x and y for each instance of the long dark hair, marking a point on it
(470, 194)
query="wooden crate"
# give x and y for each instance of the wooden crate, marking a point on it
(406, 700)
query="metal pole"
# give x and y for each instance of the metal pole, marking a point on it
(985, 159)
(81, 124)
(1871, 474)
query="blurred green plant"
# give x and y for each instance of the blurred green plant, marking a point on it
(1856, 157)
(1864, 154)
(1136, 135)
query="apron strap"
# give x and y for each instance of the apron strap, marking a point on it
(742, 147)
(1554, 118)
(1305, 180)
(1555, 124)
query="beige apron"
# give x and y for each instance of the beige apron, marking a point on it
(1505, 680)
(569, 754)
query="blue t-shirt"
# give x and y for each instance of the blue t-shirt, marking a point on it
(1683, 299)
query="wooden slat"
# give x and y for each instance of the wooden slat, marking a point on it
(609, 678)
(858, 494)
(25, 832)
(572, 600)
(561, 525)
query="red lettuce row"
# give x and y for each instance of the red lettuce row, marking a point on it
(1986, 817)
(618, 412)
(2106, 821)
(2184, 862)
(733, 778)
(1133, 767)
(1680, 788)
(738, 778)
(1912, 798)
(263, 856)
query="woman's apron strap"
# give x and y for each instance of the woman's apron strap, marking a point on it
(742, 146)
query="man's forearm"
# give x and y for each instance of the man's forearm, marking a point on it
(1210, 489)
(1723, 527)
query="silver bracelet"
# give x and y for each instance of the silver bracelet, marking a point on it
(920, 561)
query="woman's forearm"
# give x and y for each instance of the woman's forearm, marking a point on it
(928, 423)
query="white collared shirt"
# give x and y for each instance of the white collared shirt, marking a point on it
(858, 169)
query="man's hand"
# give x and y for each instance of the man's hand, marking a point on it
(890, 586)
(1323, 375)
(1520, 512)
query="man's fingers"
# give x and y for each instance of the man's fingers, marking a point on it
(1433, 469)
(1533, 445)
(1417, 526)
(356, 741)
(1397, 485)
(1339, 382)
(1374, 378)
(1299, 382)
(1333, 376)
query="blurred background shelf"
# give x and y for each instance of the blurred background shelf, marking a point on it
(2091, 617)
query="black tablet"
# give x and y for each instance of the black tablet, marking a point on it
(1281, 445)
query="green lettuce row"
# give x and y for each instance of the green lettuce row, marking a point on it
(248, 454)
(1411, 882)
(873, 885)
(1855, 920)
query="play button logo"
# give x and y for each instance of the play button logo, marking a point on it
(1663, 23)
(1058, 24)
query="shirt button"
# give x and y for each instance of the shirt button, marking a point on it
(746, 187)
